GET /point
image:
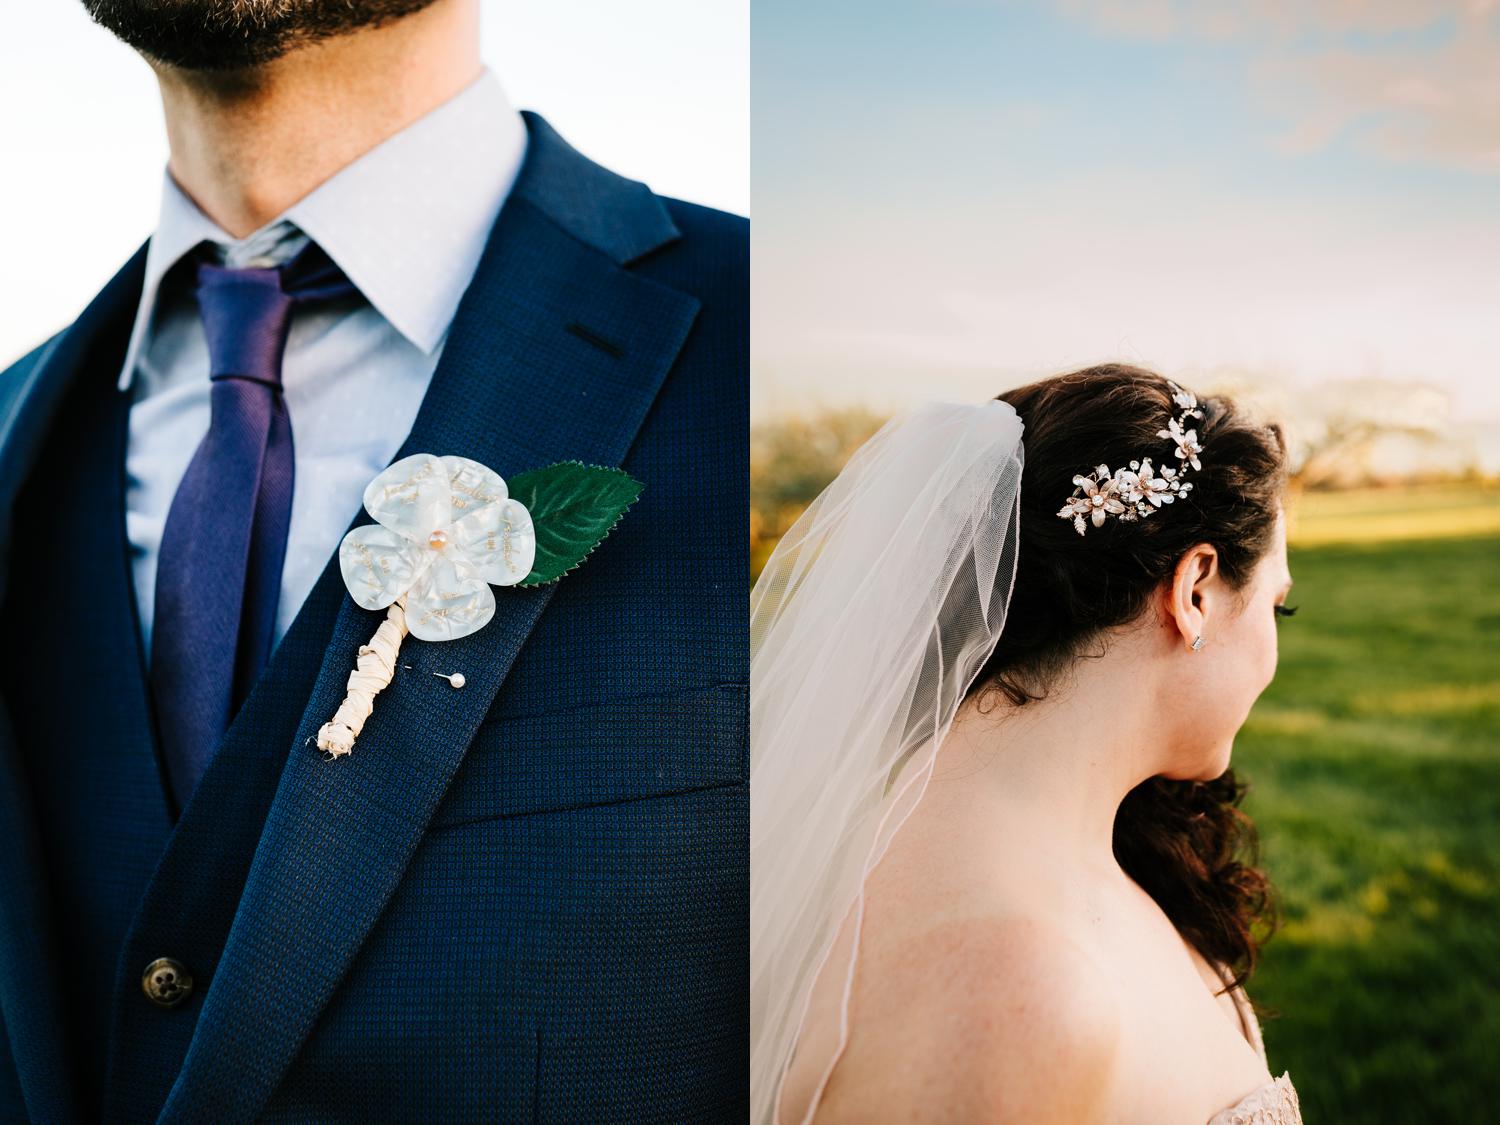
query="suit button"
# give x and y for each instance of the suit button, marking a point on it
(166, 982)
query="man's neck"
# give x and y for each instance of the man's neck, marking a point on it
(246, 145)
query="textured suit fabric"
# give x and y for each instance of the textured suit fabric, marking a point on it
(523, 900)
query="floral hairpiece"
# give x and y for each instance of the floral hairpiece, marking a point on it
(1136, 492)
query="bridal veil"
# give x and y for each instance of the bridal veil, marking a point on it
(867, 627)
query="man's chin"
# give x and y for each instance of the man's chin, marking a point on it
(236, 35)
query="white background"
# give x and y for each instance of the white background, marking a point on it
(657, 90)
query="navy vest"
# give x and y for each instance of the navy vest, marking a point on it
(80, 705)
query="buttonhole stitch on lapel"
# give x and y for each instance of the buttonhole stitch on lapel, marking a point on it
(598, 341)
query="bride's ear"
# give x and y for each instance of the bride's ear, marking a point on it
(1195, 596)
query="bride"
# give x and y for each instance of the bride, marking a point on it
(998, 870)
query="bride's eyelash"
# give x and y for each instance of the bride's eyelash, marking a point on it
(1285, 610)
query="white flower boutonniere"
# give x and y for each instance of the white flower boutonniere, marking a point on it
(446, 530)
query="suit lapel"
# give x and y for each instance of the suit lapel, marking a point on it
(29, 998)
(27, 411)
(556, 353)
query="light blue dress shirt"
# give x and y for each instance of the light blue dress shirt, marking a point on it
(407, 222)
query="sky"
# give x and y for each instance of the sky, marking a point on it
(657, 90)
(956, 196)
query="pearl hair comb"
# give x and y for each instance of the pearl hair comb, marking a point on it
(1138, 491)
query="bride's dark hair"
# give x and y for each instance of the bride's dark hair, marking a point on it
(1186, 843)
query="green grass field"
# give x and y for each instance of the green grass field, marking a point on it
(1374, 764)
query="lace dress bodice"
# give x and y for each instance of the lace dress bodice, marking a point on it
(1275, 1103)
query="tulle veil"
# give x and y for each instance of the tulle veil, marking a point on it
(868, 625)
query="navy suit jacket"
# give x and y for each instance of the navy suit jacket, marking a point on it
(525, 900)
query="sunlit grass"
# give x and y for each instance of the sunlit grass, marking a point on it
(1436, 511)
(1375, 776)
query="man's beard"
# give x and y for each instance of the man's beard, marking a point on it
(232, 34)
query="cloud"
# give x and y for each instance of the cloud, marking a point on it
(1411, 81)
(1440, 106)
(1283, 20)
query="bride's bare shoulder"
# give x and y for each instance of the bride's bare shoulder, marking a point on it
(996, 1019)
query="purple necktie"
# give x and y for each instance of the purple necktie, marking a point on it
(218, 575)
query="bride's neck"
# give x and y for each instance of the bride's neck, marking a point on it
(1056, 770)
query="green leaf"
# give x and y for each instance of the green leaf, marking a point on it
(573, 507)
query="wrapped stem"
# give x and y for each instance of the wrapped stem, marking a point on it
(375, 666)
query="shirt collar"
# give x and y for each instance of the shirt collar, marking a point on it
(407, 221)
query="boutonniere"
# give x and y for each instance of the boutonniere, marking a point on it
(447, 529)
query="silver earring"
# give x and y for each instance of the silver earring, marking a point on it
(1197, 642)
